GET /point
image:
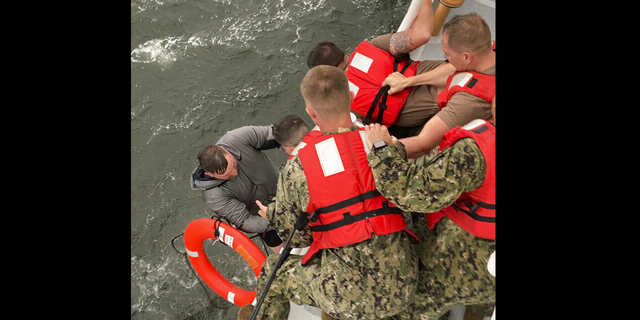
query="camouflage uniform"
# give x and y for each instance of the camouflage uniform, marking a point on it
(453, 263)
(287, 285)
(373, 279)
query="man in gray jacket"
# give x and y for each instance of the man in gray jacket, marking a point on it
(234, 173)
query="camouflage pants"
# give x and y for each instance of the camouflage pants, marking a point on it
(377, 289)
(287, 285)
(342, 287)
(452, 270)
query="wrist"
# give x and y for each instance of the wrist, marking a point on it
(409, 82)
(380, 144)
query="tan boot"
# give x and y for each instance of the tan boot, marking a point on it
(245, 312)
(326, 316)
(469, 315)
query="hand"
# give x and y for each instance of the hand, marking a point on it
(263, 210)
(396, 81)
(375, 132)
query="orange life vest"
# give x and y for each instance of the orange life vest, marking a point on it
(342, 193)
(369, 66)
(474, 211)
(475, 83)
(478, 84)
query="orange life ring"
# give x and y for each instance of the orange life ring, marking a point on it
(201, 229)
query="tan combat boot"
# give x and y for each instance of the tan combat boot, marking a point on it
(245, 312)
(326, 316)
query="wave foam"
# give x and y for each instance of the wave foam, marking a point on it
(164, 51)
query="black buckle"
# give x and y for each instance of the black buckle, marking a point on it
(347, 218)
(472, 207)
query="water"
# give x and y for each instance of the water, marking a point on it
(198, 69)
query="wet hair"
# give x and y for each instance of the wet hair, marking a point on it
(325, 53)
(212, 159)
(326, 90)
(290, 130)
(468, 33)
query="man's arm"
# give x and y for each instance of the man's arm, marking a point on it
(257, 137)
(427, 186)
(292, 199)
(235, 211)
(429, 138)
(436, 77)
(418, 34)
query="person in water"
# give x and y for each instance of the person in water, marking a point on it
(455, 190)
(372, 61)
(355, 260)
(233, 173)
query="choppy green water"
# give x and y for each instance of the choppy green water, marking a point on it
(198, 69)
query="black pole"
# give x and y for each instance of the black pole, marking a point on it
(300, 224)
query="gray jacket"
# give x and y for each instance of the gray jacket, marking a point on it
(257, 179)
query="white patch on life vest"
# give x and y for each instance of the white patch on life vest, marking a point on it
(354, 88)
(361, 62)
(460, 79)
(228, 240)
(364, 142)
(329, 157)
(231, 296)
(473, 124)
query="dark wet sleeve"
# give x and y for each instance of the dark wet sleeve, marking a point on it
(257, 137)
(228, 207)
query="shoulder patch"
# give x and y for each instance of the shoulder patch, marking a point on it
(473, 124)
(460, 79)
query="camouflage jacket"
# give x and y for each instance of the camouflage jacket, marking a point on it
(452, 261)
(372, 279)
(427, 184)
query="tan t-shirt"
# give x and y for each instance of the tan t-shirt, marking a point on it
(422, 102)
(464, 107)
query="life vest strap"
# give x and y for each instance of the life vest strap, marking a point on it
(472, 210)
(349, 219)
(399, 58)
(345, 203)
(384, 91)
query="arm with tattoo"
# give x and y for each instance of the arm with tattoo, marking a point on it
(401, 42)
(418, 34)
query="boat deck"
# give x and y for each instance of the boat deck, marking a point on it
(433, 50)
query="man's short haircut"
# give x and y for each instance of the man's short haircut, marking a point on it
(212, 159)
(325, 53)
(290, 130)
(468, 33)
(326, 89)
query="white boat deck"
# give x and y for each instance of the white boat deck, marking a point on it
(433, 49)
